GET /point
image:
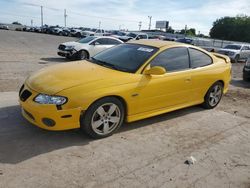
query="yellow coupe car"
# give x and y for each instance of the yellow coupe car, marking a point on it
(129, 82)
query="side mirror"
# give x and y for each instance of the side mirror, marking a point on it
(157, 70)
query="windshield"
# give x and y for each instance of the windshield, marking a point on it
(86, 40)
(233, 47)
(125, 57)
(131, 35)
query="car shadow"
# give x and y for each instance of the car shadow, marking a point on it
(54, 59)
(19, 140)
(240, 83)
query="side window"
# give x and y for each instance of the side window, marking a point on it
(142, 36)
(101, 41)
(246, 48)
(113, 42)
(198, 58)
(173, 59)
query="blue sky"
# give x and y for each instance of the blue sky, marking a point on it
(125, 14)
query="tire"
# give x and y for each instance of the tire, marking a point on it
(78, 35)
(237, 57)
(103, 118)
(82, 55)
(213, 96)
(245, 79)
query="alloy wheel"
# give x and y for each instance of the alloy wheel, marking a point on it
(106, 118)
(215, 95)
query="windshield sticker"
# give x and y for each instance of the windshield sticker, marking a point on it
(145, 49)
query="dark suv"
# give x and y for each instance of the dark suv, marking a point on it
(246, 71)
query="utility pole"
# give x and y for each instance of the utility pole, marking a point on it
(149, 25)
(31, 23)
(185, 30)
(140, 26)
(65, 18)
(41, 15)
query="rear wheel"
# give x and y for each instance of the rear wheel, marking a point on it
(213, 96)
(103, 117)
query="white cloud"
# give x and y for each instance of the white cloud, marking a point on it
(194, 13)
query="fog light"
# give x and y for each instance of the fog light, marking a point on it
(48, 122)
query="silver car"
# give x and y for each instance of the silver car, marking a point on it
(236, 52)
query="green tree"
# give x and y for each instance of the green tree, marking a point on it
(232, 28)
(16, 23)
(170, 30)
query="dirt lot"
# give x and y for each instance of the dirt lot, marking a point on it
(148, 153)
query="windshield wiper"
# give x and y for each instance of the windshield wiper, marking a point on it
(104, 63)
(109, 65)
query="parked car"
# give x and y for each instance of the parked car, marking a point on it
(95, 32)
(129, 82)
(86, 47)
(236, 52)
(246, 70)
(133, 36)
(4, 27)
(185, 40)
(76, 33)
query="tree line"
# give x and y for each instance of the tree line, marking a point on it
(232, 28)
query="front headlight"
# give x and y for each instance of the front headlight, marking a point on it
(69, 47)
(231, 53)
(48, 99)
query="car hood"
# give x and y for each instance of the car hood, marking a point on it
(51, 80)
(73, 43)
(125, 37)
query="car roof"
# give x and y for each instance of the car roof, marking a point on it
(156, 43)
(106, 37)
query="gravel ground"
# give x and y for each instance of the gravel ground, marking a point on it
(148, 153)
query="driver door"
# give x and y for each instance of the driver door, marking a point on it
(98, 46)
(170, 89)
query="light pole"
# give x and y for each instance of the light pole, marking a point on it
(65, 18)
(100, 24)
(140, 25)
(41, 15)
(149, 25)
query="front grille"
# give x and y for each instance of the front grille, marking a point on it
(61, 47)
(223, 52)
(25, 95)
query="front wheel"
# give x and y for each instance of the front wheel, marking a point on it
(103, 117)
(213, 96)
(82, 55)
(237, 58)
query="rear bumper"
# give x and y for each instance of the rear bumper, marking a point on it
(49, 117)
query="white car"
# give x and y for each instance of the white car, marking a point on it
(133, 36)
(236, 52)
(86, 47)
(97, 32)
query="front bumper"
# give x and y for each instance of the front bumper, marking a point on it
(39, 114)
(67, 53)
(246, 72)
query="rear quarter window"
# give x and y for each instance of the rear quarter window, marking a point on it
(199, 58)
